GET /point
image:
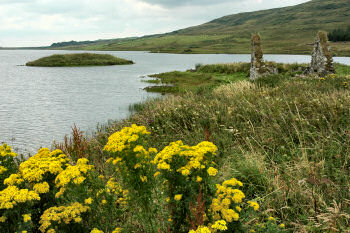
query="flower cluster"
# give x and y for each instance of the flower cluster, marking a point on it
(43, 163)
(185, 159)
(226, 204)
(132, 162)
(188, 173)
(6, 151)
(121, 140)
(217, 226)
(7, 163)
(12, 196)
(75, 174)
(66, 214)
(253, 204)
(115, 188)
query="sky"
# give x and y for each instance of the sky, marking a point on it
(43, 22)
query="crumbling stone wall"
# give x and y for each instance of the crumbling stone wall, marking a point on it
(321, 57)
(257, 66)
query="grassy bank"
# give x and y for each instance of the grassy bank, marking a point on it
(79, 59)
(205, 78)
(285, 137)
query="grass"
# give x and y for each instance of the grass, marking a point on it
(207, 77)
(79, 59)
(285, 137)
(288, 30)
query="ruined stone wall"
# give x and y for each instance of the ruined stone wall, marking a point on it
(321, 57)
(257, 66)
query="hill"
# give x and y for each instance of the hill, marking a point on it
(288, 30)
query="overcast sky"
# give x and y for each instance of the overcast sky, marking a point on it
(42, 22)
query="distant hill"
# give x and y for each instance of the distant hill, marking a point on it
(288, 30)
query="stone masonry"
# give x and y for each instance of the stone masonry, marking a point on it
(257, 66)
(321, 57)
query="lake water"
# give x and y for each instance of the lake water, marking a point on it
(39, 105)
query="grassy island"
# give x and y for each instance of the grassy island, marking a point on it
(79, 59)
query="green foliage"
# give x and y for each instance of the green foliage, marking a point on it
(339, 35)
(201, 80)
(79, 59)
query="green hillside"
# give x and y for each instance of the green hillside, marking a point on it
(283, 30)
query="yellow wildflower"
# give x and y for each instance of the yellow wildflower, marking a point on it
(78, 219)
(178, 197)
(201, 229)
(117, 230)
(253, 204)
(95, 230)
(143, 178)
(61, 214)
(26, 217)
(88, 201)
(121, 140)
(11, 196)
(3, 219)
(156, 174)
(2, 169)
(220, 225)
(212, 171)
(41, 187)
(6, 150)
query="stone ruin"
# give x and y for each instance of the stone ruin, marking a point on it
(258, 68)
(322, 60)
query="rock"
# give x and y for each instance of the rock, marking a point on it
(257, 66)
(321, 57)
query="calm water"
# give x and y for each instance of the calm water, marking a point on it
(39, 105)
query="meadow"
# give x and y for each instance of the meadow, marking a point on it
(218, 154)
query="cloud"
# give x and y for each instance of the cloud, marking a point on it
(178, 3)
(42, 22)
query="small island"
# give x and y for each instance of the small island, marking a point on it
(79, 59)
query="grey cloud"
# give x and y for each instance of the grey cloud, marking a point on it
(178, 3)
(42, 22)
